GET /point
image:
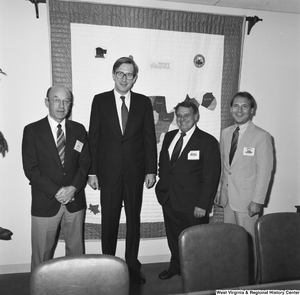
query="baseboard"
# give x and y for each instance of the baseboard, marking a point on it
(14, 268)
(155, 259)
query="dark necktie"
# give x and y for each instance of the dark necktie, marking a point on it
(61, 143)
(234, 142)
(177, 149)
(124, 113)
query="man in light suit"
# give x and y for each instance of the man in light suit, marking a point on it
(57, 175)
(124, 156)
(244, 181)
(187, 186)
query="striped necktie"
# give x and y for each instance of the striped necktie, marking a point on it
(61, 143)
(234, 142)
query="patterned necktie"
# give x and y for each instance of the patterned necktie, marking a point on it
(61, 143)
(177, 149)
(234, 142)
(124, 113)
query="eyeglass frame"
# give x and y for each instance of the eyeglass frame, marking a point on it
(57, 102)
(124, 75)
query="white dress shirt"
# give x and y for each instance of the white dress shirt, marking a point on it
(53, 126)
(186, 139)
(242, 130)
(119, 103)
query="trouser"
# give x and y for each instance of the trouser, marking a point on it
(44, 234)
(175, 223)
(112, 198)
(243, 219)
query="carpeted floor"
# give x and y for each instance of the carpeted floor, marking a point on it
(18, 284)
(13, 284)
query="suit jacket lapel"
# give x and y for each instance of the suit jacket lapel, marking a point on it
(111, 110)
(47, 136)
(169, 140)
(132, 111)
(189, 146)
(70, 139)
(245, 141)
(227, 146)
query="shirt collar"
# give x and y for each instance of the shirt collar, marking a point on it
(118, 95)
(189, 133)
(54, 124)
(243, 127)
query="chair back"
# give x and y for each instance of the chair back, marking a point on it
(213, 256)
(78, 275)
(277, 237)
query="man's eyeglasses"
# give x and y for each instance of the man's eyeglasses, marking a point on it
(57, 102)
(121, 75)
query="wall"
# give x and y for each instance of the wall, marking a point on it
(270, 71)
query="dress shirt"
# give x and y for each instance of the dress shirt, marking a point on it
(53, 126)
(186, 139)
(242, 130)
(119, 104)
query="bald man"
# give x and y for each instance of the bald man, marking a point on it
(56, 161)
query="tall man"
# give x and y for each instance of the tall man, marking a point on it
(247, 163)
(123, 150)
(56, 161)
(188, 182)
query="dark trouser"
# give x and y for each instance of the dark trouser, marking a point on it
(175, 223)
(112, 198)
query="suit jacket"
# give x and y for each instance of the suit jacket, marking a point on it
(43, 167)
(190, 182)
(248, 177)
(133, 154)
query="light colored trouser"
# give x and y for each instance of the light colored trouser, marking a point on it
(243, 219)
(44, 234)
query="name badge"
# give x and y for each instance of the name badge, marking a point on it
(78, 146)
(194, 155)
(249, 151)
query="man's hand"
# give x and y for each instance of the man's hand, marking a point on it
(66, 194)
(253, 209)
(198, 212)
(93, 182)
(217, 199)
(150, 180)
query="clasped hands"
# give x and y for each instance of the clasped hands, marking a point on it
(66, 194)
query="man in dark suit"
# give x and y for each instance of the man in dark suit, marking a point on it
(123, 158)
(188, 181)
(56, 161)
